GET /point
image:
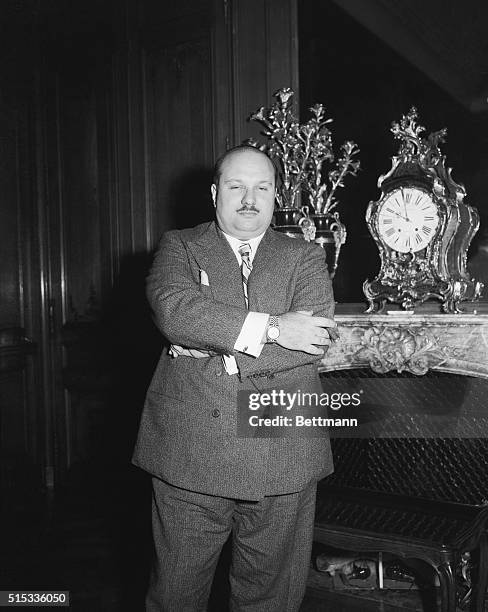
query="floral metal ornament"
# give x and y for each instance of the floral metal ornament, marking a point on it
(301, 150)
(413, 145)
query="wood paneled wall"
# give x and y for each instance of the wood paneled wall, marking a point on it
(23, 423)
(121, 115)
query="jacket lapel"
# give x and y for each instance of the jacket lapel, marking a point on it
(265, 270)
(214, 255)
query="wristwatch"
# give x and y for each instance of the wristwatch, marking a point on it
(273, 330)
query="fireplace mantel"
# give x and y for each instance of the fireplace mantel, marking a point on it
(416, 343)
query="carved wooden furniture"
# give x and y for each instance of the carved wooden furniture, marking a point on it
(419, 495)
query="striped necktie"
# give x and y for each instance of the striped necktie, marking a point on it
(244, 251)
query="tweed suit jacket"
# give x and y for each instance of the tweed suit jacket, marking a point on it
(188, 431)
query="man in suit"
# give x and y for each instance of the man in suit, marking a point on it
(245, 308)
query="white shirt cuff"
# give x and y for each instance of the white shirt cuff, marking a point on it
(249, 340)
(230, 364)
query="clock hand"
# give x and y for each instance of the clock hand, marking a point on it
(401, 216)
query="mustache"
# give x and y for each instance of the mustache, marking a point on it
(251, 208)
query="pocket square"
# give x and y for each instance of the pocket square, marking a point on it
(204, 278)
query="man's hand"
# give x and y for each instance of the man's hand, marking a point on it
(301, 331)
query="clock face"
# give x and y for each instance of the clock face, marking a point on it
(407, 219)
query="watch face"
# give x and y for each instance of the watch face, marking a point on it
(273, 333)
(407, 219)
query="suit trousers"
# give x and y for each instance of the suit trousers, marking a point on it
(271, 549)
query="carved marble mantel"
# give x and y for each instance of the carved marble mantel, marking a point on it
(456, 343)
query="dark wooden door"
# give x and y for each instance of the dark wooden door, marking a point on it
(25, 330)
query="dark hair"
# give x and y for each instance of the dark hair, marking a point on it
(243, 147)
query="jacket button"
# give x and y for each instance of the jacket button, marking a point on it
(219, 372)
(215, 412)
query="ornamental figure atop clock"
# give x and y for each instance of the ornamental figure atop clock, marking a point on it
(422, 227)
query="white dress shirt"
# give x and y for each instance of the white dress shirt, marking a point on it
(250, 338)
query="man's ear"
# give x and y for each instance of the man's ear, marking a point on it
(213, 191)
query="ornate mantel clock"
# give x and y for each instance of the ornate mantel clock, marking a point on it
(422, 227)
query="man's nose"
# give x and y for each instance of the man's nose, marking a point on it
(248, 197)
